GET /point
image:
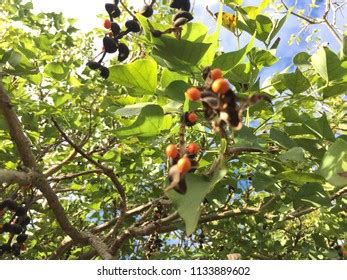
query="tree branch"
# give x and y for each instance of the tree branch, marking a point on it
(13, 176)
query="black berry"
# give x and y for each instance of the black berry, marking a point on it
(109, 45)
(180, 4)
(93, 65)
(115, 28)
(146, 11)
(104, 72)
(22, 238)
(21, 211)
(123, 52)
(132, 26)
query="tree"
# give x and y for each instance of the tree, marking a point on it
(85, 156)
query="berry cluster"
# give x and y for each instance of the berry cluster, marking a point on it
(221, 105)
(182, 17)
(154, 242)
(15, 226)
(181, 161)
(111, 41)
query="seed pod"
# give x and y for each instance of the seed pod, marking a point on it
(93, 65)
(123, 52)
(132, 26)
(156, 33)
(180, 4)
(110, 7)
(180, 21)
(6, 227)
(183, 14)
(9, 204)
(109, 45)
(116, 13)
(22, 238)
(21, 211)
(16, 249)
(5, 248)
(146, 11)
(115, 28)
(16, 229)
(25, 221)
(104, 72)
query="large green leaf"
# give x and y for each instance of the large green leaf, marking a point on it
(312, 194)
(334, 164)
(230, 60)
(300, 177)
(281, 138)
(180, 55)
(327, 64)
(140, 75)
(296, 82)
(148, 123)
(56, 70)
(189, 204)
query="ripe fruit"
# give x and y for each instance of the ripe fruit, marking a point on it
(107, 24)
(146, 11)
(21, 211)
(180, 4)
(183, 14)
(192, 117)
(109, 45)
(115, 28)
(123, 52)
(184, 165)
(220, 86)
(116, 13)
(193, 94)
(110, 7)
(132, 26)
(93, 65)
(180, 21)
(193, 148)
(22, 238)
(216, 74)
(104, 72)
(171, 151)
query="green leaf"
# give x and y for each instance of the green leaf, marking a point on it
(302, 58)
(263, 27)
(300, 177)
(296, 82)
(294, 154)
(167, 77)
(290, 115)
(140, 75)
(327, 64)
(56, 71)
(176, 90)
(334, 163)
(313, 194)
(148, 123)
(335, 89)
(181, 55)
(189, 204)
(132, 110)
(281, 138)
(263, 182)
(230, 60)
(262, 58)
(278, 25)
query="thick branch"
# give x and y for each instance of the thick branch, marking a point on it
(13, 176)
(15, 128)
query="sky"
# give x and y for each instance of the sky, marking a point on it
(86, 12)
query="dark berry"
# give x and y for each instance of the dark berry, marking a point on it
(16, 249)
(10, 204)
(5, 248)
(116, 13)
(183, 14)
(109, 45)
(132, 26)
(180, 4)
(6, 227)
(146, 11)
(180, 21)
(104, 72)
(123, 52)
(93, 65)
(21, 211)
(16, 229)
(22, 238)
(115, 28)
(156, 33)
(110, 7)
(25, 221)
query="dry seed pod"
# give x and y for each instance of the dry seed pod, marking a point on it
(183, 14)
